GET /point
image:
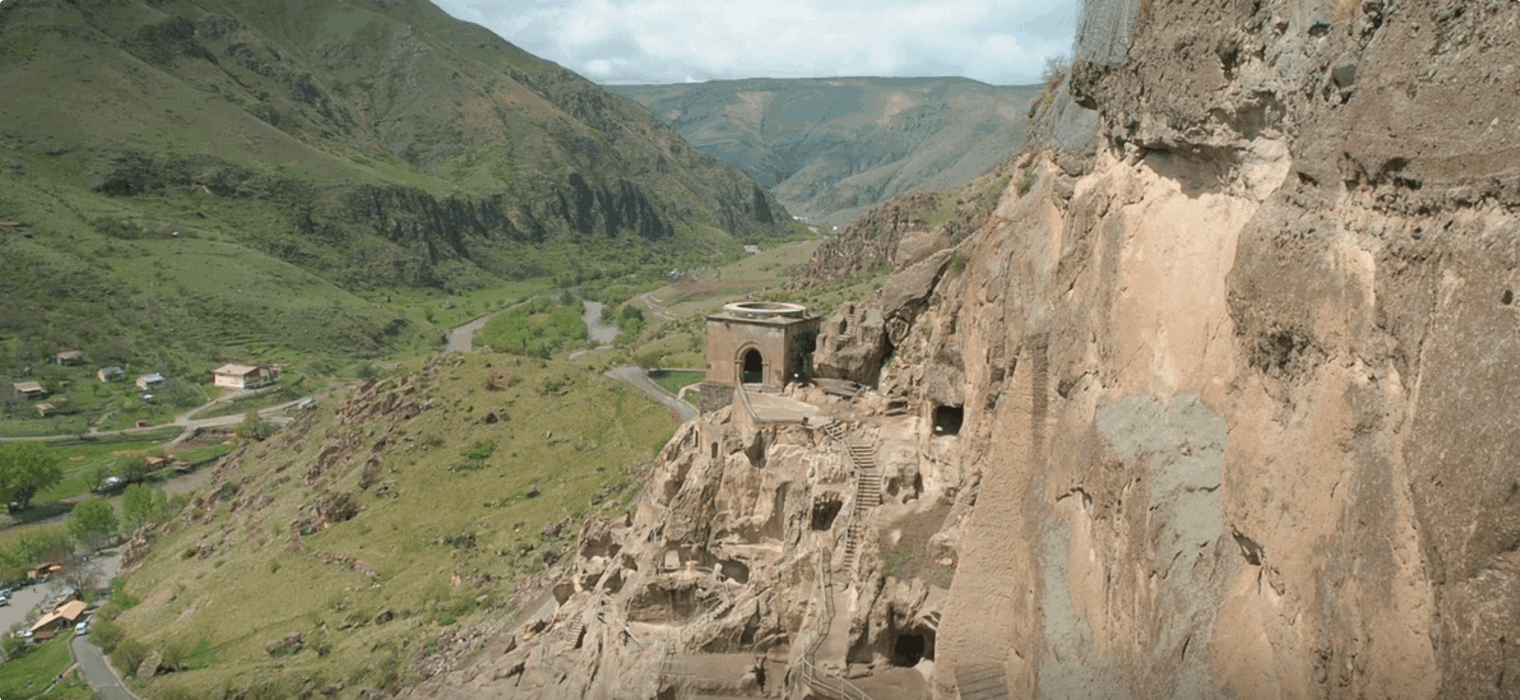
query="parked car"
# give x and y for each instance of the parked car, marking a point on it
(82, 627)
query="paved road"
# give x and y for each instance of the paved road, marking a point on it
(637, 378)
(98, 672)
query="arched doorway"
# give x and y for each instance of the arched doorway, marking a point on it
(753, 369)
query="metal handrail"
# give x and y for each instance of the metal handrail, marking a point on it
(815, 676)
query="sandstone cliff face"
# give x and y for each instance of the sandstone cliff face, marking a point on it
(1221, 408)
(1238, 386)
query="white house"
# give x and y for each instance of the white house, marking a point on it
(236, 375)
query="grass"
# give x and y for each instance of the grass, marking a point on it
(285, 392)
(80, 462)
(567, 443)
(672, 381)
(202, 454)
(27, 676)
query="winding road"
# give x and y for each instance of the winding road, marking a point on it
(184, 421)
(98, 671)
(637, 378)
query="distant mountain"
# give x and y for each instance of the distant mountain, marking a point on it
(833, 148)
(374, 144)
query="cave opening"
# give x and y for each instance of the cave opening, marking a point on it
(753, 371)
(824, 512)
(948, 419)
(1507, 298)
(910, 649)
(734, 570)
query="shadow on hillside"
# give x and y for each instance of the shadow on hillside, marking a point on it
(39, 513)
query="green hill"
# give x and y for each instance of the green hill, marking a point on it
(831, 148)
(412, 508)
(204, 178)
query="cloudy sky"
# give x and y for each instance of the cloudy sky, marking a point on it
(1003, 42)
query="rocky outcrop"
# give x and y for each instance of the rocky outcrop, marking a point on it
(1218, 406)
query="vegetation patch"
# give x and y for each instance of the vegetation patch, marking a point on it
(539, 328)
(28, 672)
(426, 544)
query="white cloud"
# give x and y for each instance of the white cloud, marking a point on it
(667, 41)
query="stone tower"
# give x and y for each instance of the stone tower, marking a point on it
(760, 343)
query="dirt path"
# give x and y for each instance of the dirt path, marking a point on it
(653, 302)
(596, 330)
(462, 339)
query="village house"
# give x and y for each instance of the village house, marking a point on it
(111, 374)
(41, 571)
(56, 407)
(235, 375)
(150, 382)
(64, 616)
(31, 391)
(66, 357)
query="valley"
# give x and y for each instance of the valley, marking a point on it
(1201, 391)
(832, 149)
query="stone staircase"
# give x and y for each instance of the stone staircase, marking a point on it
(573, 633)
(851, 319)
(982, 682)
(867, 496)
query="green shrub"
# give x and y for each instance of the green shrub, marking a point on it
(129, 654)
(106, 633)
(1027, 184)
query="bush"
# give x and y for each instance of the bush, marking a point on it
(129, 654)
(106, 633)
(12, 646)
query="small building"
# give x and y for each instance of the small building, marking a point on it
(31, 391)
(56, 407)
(111, 374)
(62, 618)
(150, 382)
(762, 343)
(66, 357)
(236, 375)
(44, 570)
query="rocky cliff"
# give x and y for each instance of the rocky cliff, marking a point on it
(1215, 406)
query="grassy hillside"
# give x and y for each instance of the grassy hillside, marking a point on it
(831, 148)
(316, 183)
(369, 532)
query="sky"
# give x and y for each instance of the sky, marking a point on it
(1002, 42)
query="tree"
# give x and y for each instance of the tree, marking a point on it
(254, 427)
(649, 359)
(25, 469)
(136, 505)
(93, 522)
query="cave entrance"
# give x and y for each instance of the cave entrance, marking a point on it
(948, 419)
(824, 512)
(753, 369)
(909, 649)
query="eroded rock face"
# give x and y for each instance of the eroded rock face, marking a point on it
(1221, 407)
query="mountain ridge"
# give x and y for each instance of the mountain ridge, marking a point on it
(375, 145)
(831, 148)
